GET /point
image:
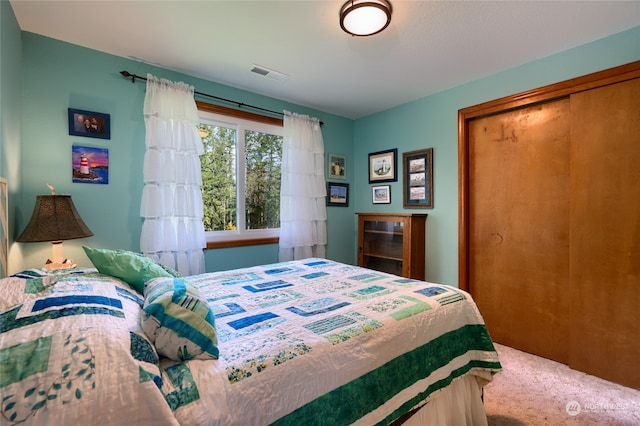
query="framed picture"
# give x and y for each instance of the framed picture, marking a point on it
(90, 165)
(383, 166)
(337, 166)
(337, 194)
(89, 124)
(381, 194)
(418, 178)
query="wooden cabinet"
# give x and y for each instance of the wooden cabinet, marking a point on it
(393, 243)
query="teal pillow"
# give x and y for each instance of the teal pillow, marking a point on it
(133, 268)
(178, 320)
(169, 270)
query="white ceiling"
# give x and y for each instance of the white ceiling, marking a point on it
(429, 46)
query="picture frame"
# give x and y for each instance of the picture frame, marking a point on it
(383, 166)
(418, 179)
(89, 124)
(337, 166)
(381, 194)
(89, 164)
(337, 194)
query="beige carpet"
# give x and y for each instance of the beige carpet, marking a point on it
(531, 390)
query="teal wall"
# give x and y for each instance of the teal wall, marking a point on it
(58, 75)
(42, 77)
(432, 122)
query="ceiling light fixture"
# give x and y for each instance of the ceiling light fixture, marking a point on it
(365, 17)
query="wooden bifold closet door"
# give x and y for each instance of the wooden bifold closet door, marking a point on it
(605, 232)
(550, 223)
(519, 228)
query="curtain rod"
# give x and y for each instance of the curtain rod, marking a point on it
(127, 74)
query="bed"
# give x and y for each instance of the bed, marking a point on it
(303, 342)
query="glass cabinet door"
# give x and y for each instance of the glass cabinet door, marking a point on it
(393, 243)
(382, 246)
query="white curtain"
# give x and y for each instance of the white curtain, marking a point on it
(173, 231)
(303, 211)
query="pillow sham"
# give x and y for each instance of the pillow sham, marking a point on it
(72, 349)
(178, 320)
(133, 268)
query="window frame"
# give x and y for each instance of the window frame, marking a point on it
(221, 239)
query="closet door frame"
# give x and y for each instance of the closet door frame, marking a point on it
(528, 98)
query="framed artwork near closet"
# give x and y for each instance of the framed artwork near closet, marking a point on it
(381, 194)
(418, 178)
(383, 166)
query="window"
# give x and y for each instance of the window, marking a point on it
(240, 176)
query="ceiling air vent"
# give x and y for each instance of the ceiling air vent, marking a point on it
(269, 73)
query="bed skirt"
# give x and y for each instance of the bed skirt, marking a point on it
(459, 404)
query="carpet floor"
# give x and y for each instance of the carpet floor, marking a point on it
(531, 390)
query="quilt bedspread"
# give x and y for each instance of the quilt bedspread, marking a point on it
(301, 338)
(72, 352)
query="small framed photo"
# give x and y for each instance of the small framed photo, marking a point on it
(337, 194)
(381, 194)
(89, 124)
(90, 165)
(383, 166)
(418, 179)
(337, 166)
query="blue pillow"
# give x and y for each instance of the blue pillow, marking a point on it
(178, 320)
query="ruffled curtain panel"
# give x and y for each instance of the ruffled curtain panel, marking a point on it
(172, 231)
(303, 211)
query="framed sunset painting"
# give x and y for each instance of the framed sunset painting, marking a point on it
(90, 165)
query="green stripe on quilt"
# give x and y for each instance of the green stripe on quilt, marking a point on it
(353, 400)
(440, 384)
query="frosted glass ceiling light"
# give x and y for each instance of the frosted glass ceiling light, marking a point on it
(365, 17)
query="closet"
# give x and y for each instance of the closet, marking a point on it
(549, 196)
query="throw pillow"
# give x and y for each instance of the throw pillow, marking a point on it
(133, 268)
(178, 320)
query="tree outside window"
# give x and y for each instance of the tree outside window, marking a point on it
(240, 176)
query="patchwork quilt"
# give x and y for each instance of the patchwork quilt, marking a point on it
(320, 342)
(72, 352)
(300, 343)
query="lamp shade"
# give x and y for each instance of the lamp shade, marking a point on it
(365, 17)
(54, 218)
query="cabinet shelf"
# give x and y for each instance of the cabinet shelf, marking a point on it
(393, 243)
(367, 231)
(382, 256)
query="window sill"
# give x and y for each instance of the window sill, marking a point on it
(243, 242)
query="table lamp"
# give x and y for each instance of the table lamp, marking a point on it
(54, 219)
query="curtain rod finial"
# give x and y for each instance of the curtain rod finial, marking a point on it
(126, 74)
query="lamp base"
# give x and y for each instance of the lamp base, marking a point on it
(66, 264)
(59, 261)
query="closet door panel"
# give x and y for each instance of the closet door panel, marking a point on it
(519, 224)
(605, 232)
